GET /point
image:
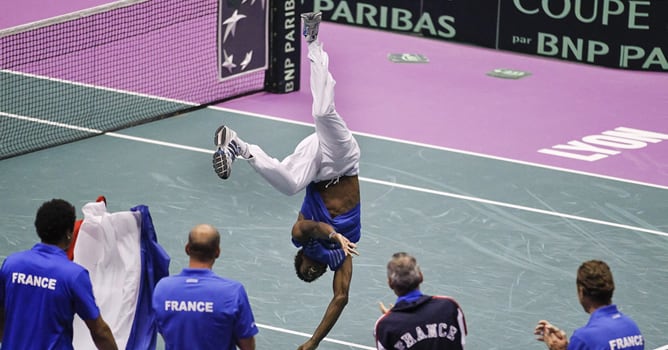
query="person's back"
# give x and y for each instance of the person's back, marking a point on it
(608, 329)
(417, 321)
(198, 309)
(39, 288)
(428, 323)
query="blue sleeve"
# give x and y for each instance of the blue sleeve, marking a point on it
(575, 343)
(84, 300)
(245, 326)
(336, 257)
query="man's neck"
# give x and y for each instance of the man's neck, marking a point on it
(593, 307)
(194, 264)
(64, 245)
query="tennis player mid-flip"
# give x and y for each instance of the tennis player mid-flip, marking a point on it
(326, 163)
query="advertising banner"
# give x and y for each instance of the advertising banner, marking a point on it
(446, 20)
(629, 34)
(625, 34)
(285, 46)
(242, 38)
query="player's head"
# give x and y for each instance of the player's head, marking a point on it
(594, 281)
(203, 243)
(54, 221)
(403, 273)
(308, 270)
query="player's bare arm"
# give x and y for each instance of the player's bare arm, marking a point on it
(303, 230)
(341, 288)
(101, 334)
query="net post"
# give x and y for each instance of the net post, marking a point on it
(284, 70)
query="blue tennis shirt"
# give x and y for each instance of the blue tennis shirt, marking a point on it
(347, 224)
(198, 309)
(607, 329)
(41, 290)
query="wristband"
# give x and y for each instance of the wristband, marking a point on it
(331, 235)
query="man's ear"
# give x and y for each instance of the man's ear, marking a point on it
(187, 249)
(389, 283)
(217, 252)
(421, 277)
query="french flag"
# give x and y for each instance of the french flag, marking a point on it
(121, 253)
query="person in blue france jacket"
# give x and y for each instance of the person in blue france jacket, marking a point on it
(41, 289)
(197, 309)
(607, 329)
(417, 321)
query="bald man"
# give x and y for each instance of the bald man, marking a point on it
(198, 309)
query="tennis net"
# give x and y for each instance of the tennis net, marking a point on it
(112, 67)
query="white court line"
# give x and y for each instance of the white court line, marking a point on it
(48, 122)
(453, 150)
(426, 190)
(665, 347)
(306, 335)
(97, 87)
(267, 117)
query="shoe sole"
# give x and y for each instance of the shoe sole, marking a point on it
(221, 165)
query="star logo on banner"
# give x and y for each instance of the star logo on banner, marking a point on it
(247, 60)
(242, 37)
(252, 2)
(228, 62)
(231, 24)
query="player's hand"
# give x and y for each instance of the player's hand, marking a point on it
(384, 309)
(309, 345)
(554, 338)
(348, 247)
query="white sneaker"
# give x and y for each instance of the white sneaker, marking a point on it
(239, 147)
(311, 25)
(225, 154)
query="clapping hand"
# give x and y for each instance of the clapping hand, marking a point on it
(383, 308)
(554, 338)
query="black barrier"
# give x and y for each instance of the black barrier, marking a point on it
(285, 46)
(626, 34)
(630, 34)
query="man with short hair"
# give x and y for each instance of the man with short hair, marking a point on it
(417, 321)
(198, 309)
(41, 289)
(607, 328)
(326, 164)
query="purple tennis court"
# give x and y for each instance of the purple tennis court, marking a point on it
(451, 102)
